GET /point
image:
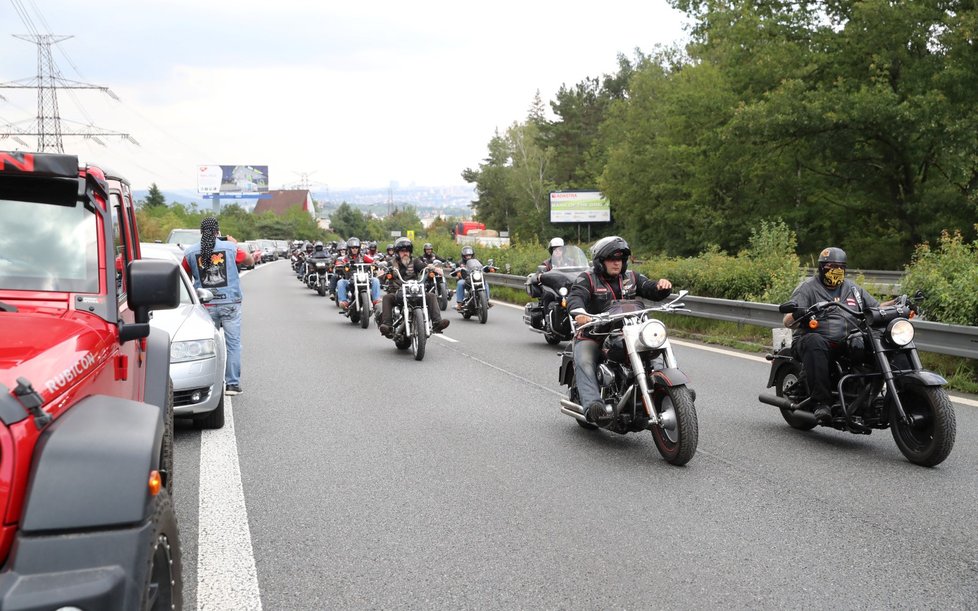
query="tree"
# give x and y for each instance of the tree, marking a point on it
(154, 198)
(348, 221)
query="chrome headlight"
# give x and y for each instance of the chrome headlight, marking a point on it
(477, 275)
(900, 332)
(192, 350)
(361, 277)
(414, 289)
(653, 334)
(563, 291)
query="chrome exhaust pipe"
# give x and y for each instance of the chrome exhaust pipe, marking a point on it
(572, 409)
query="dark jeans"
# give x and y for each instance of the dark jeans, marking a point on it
(391, 298)
(816, 353)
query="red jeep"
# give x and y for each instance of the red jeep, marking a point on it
(86, 417)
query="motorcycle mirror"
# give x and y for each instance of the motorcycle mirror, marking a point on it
(541, 268)
(918, 295)
(787, 307)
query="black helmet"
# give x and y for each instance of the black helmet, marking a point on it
(830, 258)
(319, 246)
(353, 243)
(309, 246)
(607, 247)
(555, 243)
(403, 244)
(467, 251)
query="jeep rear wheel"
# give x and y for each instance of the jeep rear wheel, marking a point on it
(166, 451)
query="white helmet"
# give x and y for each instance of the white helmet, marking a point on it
(555, 243)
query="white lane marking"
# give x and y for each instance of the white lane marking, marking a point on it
(962, 400)
(226, 573)
(508, 305)
(444, 337)
(749, 357)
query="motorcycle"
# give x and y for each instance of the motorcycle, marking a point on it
(435, 284)
(315, 277)
(475, 299)
(641, 383)
(411, 325)
(879, 383)
(549, 315)
(358, 292)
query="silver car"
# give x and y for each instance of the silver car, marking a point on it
(197, 349)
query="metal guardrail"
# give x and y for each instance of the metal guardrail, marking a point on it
(939, 338)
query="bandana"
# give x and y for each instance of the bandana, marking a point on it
(834, 277)
(208, 237)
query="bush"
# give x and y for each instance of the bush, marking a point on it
(948, 276)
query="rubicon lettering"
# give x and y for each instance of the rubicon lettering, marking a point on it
(66, 376)
(20, 161)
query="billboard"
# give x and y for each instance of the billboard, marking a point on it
(220, 179)
(579, 207)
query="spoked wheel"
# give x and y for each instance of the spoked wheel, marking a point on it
(419, 337)
(483, 302)
(163, 587)
(676, 438)
(929, 437)
(784, 384)
(364, 310)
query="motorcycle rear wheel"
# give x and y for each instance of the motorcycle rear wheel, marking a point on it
(551, 338)
(790, 375)
(676, 440)
(418, 335)
(576, 398)
(930, 439)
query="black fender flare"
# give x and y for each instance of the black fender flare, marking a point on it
(670, 376)
(566, 374)
(92, 465)
(921, 378)
(157, 368)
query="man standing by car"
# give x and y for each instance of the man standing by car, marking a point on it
(213, 264)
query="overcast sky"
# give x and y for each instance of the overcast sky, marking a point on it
(356, 94)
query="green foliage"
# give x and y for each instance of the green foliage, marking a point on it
(948, 275)
(156, 222)
(349, 221)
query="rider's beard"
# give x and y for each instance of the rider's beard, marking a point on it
(834, 277)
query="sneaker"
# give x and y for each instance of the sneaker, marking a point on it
(232, 389)
(597, 412)
(440, 326)
(385, 330)
(822, 413)
(458, 307)
(491, 304)
(345, 305)
(375, 303)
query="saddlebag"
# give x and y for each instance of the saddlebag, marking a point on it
(533, 315)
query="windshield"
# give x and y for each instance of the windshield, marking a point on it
(48, 247)
(473, 264)
(623, 306)
(184, 236)
(568, 256)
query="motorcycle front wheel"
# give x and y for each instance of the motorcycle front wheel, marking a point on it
(364, 310)
(483, 302)
(678, 434)
(929, 437)
(418, 336)
(442, 297)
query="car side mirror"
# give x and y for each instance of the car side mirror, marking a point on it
(205, 295)
(787, 307)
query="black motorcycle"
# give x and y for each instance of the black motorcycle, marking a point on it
(549, 315)
(435, 284)
(411, 325)
(358, 292)
(642, 387)
(316, 276)
(475, 297)
(878, 381)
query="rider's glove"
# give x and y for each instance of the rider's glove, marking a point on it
(799, 313)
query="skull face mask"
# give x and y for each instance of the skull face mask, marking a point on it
(834, 277)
